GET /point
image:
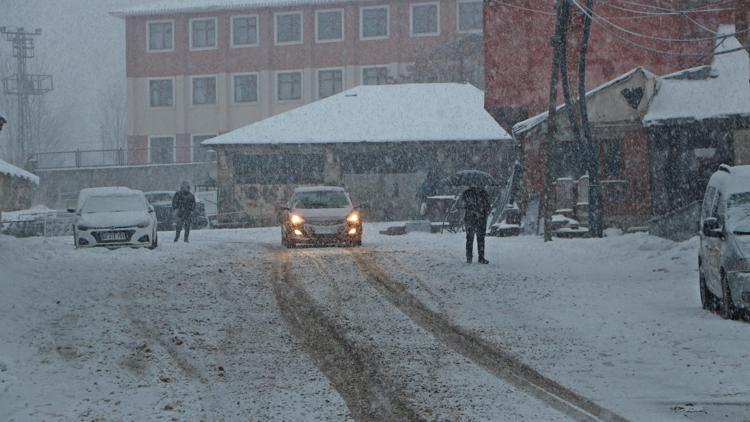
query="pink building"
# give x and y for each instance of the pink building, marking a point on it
(205, 67)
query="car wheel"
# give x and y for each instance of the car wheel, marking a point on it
(290, 244)
(705, 298)
(726, 308)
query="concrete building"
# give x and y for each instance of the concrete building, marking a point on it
(380, 142)
(202, 68)
(518, 53)
(17, 187)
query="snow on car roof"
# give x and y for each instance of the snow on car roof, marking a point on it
(13, 171)
(736, 180)
(715, 96)
(319, 189)
(381, 113)
(195, 6)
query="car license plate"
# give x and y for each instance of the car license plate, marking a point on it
(325, 230)
(112, 236)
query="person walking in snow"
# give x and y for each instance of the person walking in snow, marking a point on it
(183, 204)
(477, 207)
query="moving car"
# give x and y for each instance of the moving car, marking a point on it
(113, 217)
(320, 215)
(162, 203)
(724, 255)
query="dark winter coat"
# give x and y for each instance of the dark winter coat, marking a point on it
(476, 206)
(183, 204)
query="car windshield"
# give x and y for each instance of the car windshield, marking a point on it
(738, 213)
(159, 197)
(320, 199)
(125, 203)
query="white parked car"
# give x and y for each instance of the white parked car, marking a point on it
(113, 217)
(724, 255)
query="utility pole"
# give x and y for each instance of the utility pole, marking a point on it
(23, 85)
(557, 45)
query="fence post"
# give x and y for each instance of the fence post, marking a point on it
(78, 158)
(120, 157)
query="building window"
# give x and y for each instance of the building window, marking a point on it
(245, 88)
(161, 92)
(199, 152)
(374, 22)
(329, 25)
(612, 160)
(425, 19)
(289, 28)
(161, 150)
(470, 16)
(289, 86)
(244, 31)
(375, 75)
(330, 82)
(160, 36)
(204, 90)
(202, 33)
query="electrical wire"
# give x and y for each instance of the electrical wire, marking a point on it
(541, 12)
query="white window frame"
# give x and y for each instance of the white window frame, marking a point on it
(257, 88)
(343, 25)
(216, 88)
(174, 148)
(458, 18)
(317, 79)
(192, 143)
(387, 19)
(377, 66)
(216, 34)
(301, 28)
(301, 85)
(231, 31)
(148, 35)
(148, 94)
(411, 19)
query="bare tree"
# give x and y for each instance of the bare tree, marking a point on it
(114, 117)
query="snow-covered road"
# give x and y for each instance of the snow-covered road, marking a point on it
(233, 327)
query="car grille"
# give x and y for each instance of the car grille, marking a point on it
(327, 222)
(98, 236)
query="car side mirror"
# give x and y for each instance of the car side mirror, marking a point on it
(71, 210)
(712, 228)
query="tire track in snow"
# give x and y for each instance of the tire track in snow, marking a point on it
(367, 392)
(483, 353)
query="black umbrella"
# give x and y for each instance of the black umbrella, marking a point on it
(470, 178)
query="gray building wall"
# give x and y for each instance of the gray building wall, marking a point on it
(59, 188)
(384, 176)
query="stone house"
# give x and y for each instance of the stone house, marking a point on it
(380, 142)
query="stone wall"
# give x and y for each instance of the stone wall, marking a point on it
(59, 188)
(389, 191)
(15, 193)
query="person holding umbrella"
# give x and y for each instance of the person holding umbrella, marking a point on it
(477, 208)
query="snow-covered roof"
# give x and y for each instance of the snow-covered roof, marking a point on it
(166, 7)
(530, 123)
(722, 93)
(382, 113)
(13, 171)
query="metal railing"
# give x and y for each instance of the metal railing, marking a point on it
(119, 157)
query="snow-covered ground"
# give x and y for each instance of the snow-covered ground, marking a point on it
(232, 327)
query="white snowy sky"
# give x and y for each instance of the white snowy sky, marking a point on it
(83, 47)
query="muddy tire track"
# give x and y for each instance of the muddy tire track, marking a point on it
(351, 370)
(492, 358)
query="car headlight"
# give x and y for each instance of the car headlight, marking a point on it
(296, 219)
(143, 224)
(353, 217)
